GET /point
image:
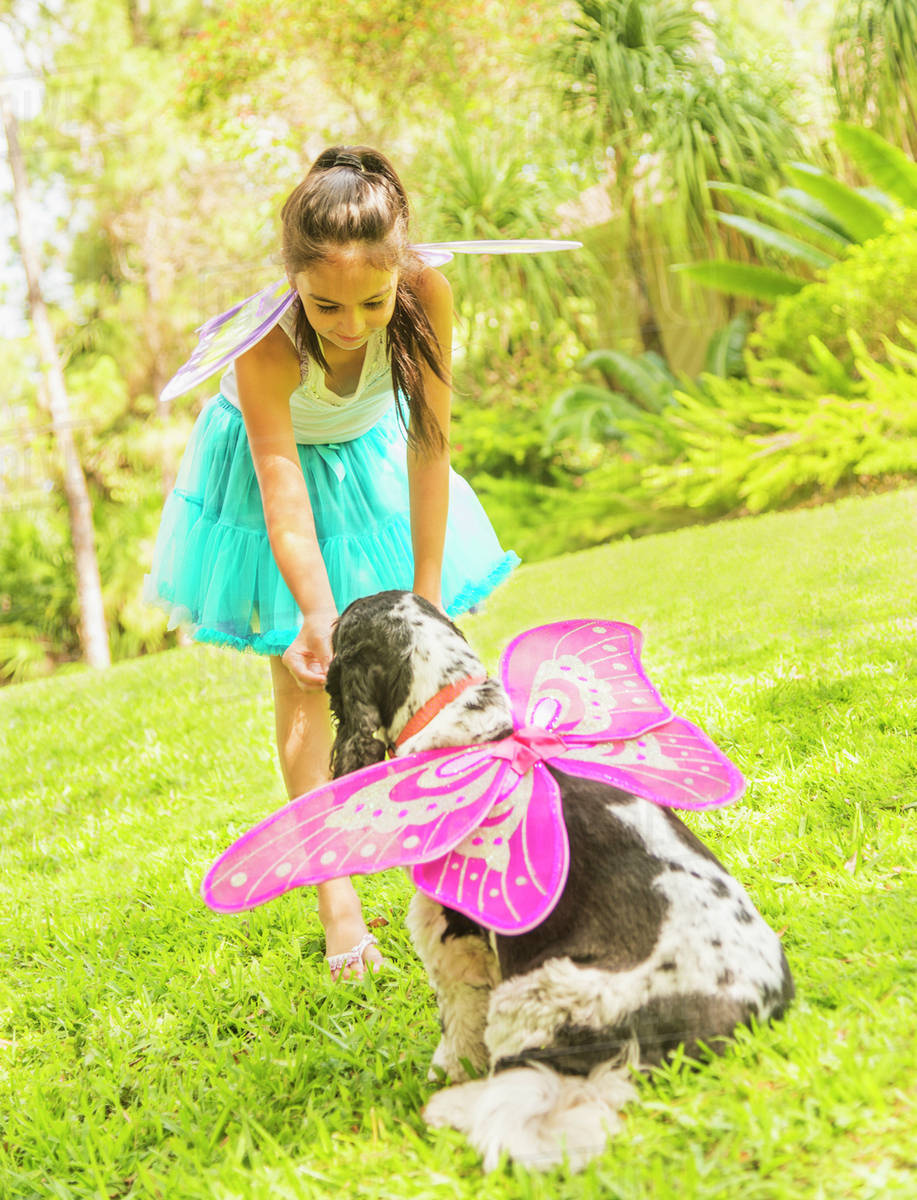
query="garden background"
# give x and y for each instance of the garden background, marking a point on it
(738, 336)
(604, 393)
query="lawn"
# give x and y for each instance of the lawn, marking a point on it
(150, 1048)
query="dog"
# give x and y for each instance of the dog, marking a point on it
(652, 945)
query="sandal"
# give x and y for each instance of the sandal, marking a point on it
(339, 962)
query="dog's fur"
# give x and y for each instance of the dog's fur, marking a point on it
(652, 944)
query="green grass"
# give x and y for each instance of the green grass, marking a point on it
(149, 1048)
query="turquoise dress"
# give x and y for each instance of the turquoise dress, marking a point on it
(213, 569)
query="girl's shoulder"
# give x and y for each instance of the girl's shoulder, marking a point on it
(270, 366)
(275, 349)
(434, 291)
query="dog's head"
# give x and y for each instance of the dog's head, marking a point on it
(387, 648)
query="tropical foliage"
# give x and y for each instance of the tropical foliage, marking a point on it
(785, 434)
(482, 182)
(636, 388)
(161, 175)
(870, 291)
(811, 223)
(673, 103)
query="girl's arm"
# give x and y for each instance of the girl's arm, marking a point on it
(266, 376)
(428, 471)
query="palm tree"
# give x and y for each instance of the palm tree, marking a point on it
(677, 108)
(488, 183)
(873, 46)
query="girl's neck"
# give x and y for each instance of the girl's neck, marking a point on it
(346, 368)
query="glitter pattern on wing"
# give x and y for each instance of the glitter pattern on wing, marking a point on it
(509, 873)
(391, 814)
(582, 680)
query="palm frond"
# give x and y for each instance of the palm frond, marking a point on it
(742, 279)
(783, 214)
(863, 218)
(645, 377)
(815, 210)
(774, 239)
(887, 166)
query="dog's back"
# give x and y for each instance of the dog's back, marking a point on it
(657, 943)
(653, 945)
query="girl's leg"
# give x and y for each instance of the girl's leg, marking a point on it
(304, 748)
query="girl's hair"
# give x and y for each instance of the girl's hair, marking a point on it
(353, 194)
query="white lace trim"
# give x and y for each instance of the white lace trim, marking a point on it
(319, 415)
(312, 377)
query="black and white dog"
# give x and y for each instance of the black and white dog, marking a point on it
(652, 944)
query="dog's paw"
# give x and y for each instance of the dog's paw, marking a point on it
(447, 1065)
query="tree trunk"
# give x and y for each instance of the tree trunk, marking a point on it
(93, 629)
(650, 333)
(152, 273)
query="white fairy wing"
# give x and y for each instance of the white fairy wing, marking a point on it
(224, 338)
(439, 253)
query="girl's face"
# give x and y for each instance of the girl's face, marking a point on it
(345, 298)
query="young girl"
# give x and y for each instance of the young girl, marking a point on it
(301, 490)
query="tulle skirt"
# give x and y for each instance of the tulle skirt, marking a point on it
(213, 569)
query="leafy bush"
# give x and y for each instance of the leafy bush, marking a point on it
(37, 599)
(636, 389)
(870, 290)
(786, 433)
(501, 442)
(540, 521)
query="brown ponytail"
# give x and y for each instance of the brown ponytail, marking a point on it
(353, 194)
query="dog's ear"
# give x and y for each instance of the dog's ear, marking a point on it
(352, 689)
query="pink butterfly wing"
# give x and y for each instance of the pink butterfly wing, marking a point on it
(509, 872)
(582, 680)
(390, 814)
(675, 765)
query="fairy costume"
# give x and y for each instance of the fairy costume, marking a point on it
(212, 566)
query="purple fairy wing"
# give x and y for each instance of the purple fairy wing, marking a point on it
(223, 338)
(582, 680)
(675, 765)
(509, 872)
(433, 255)
(390, 814)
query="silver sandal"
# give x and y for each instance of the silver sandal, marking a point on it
(338, 962)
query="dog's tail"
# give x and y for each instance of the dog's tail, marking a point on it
(535, 1115)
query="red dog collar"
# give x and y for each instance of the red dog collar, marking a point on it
(435, 706)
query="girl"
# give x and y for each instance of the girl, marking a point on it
(301, 490)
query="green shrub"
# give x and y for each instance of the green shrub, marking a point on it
(37, 596)
(539, 521)
(870, 290)
(502, 442)
(781, 435)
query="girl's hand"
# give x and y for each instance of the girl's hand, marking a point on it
(308, 655)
